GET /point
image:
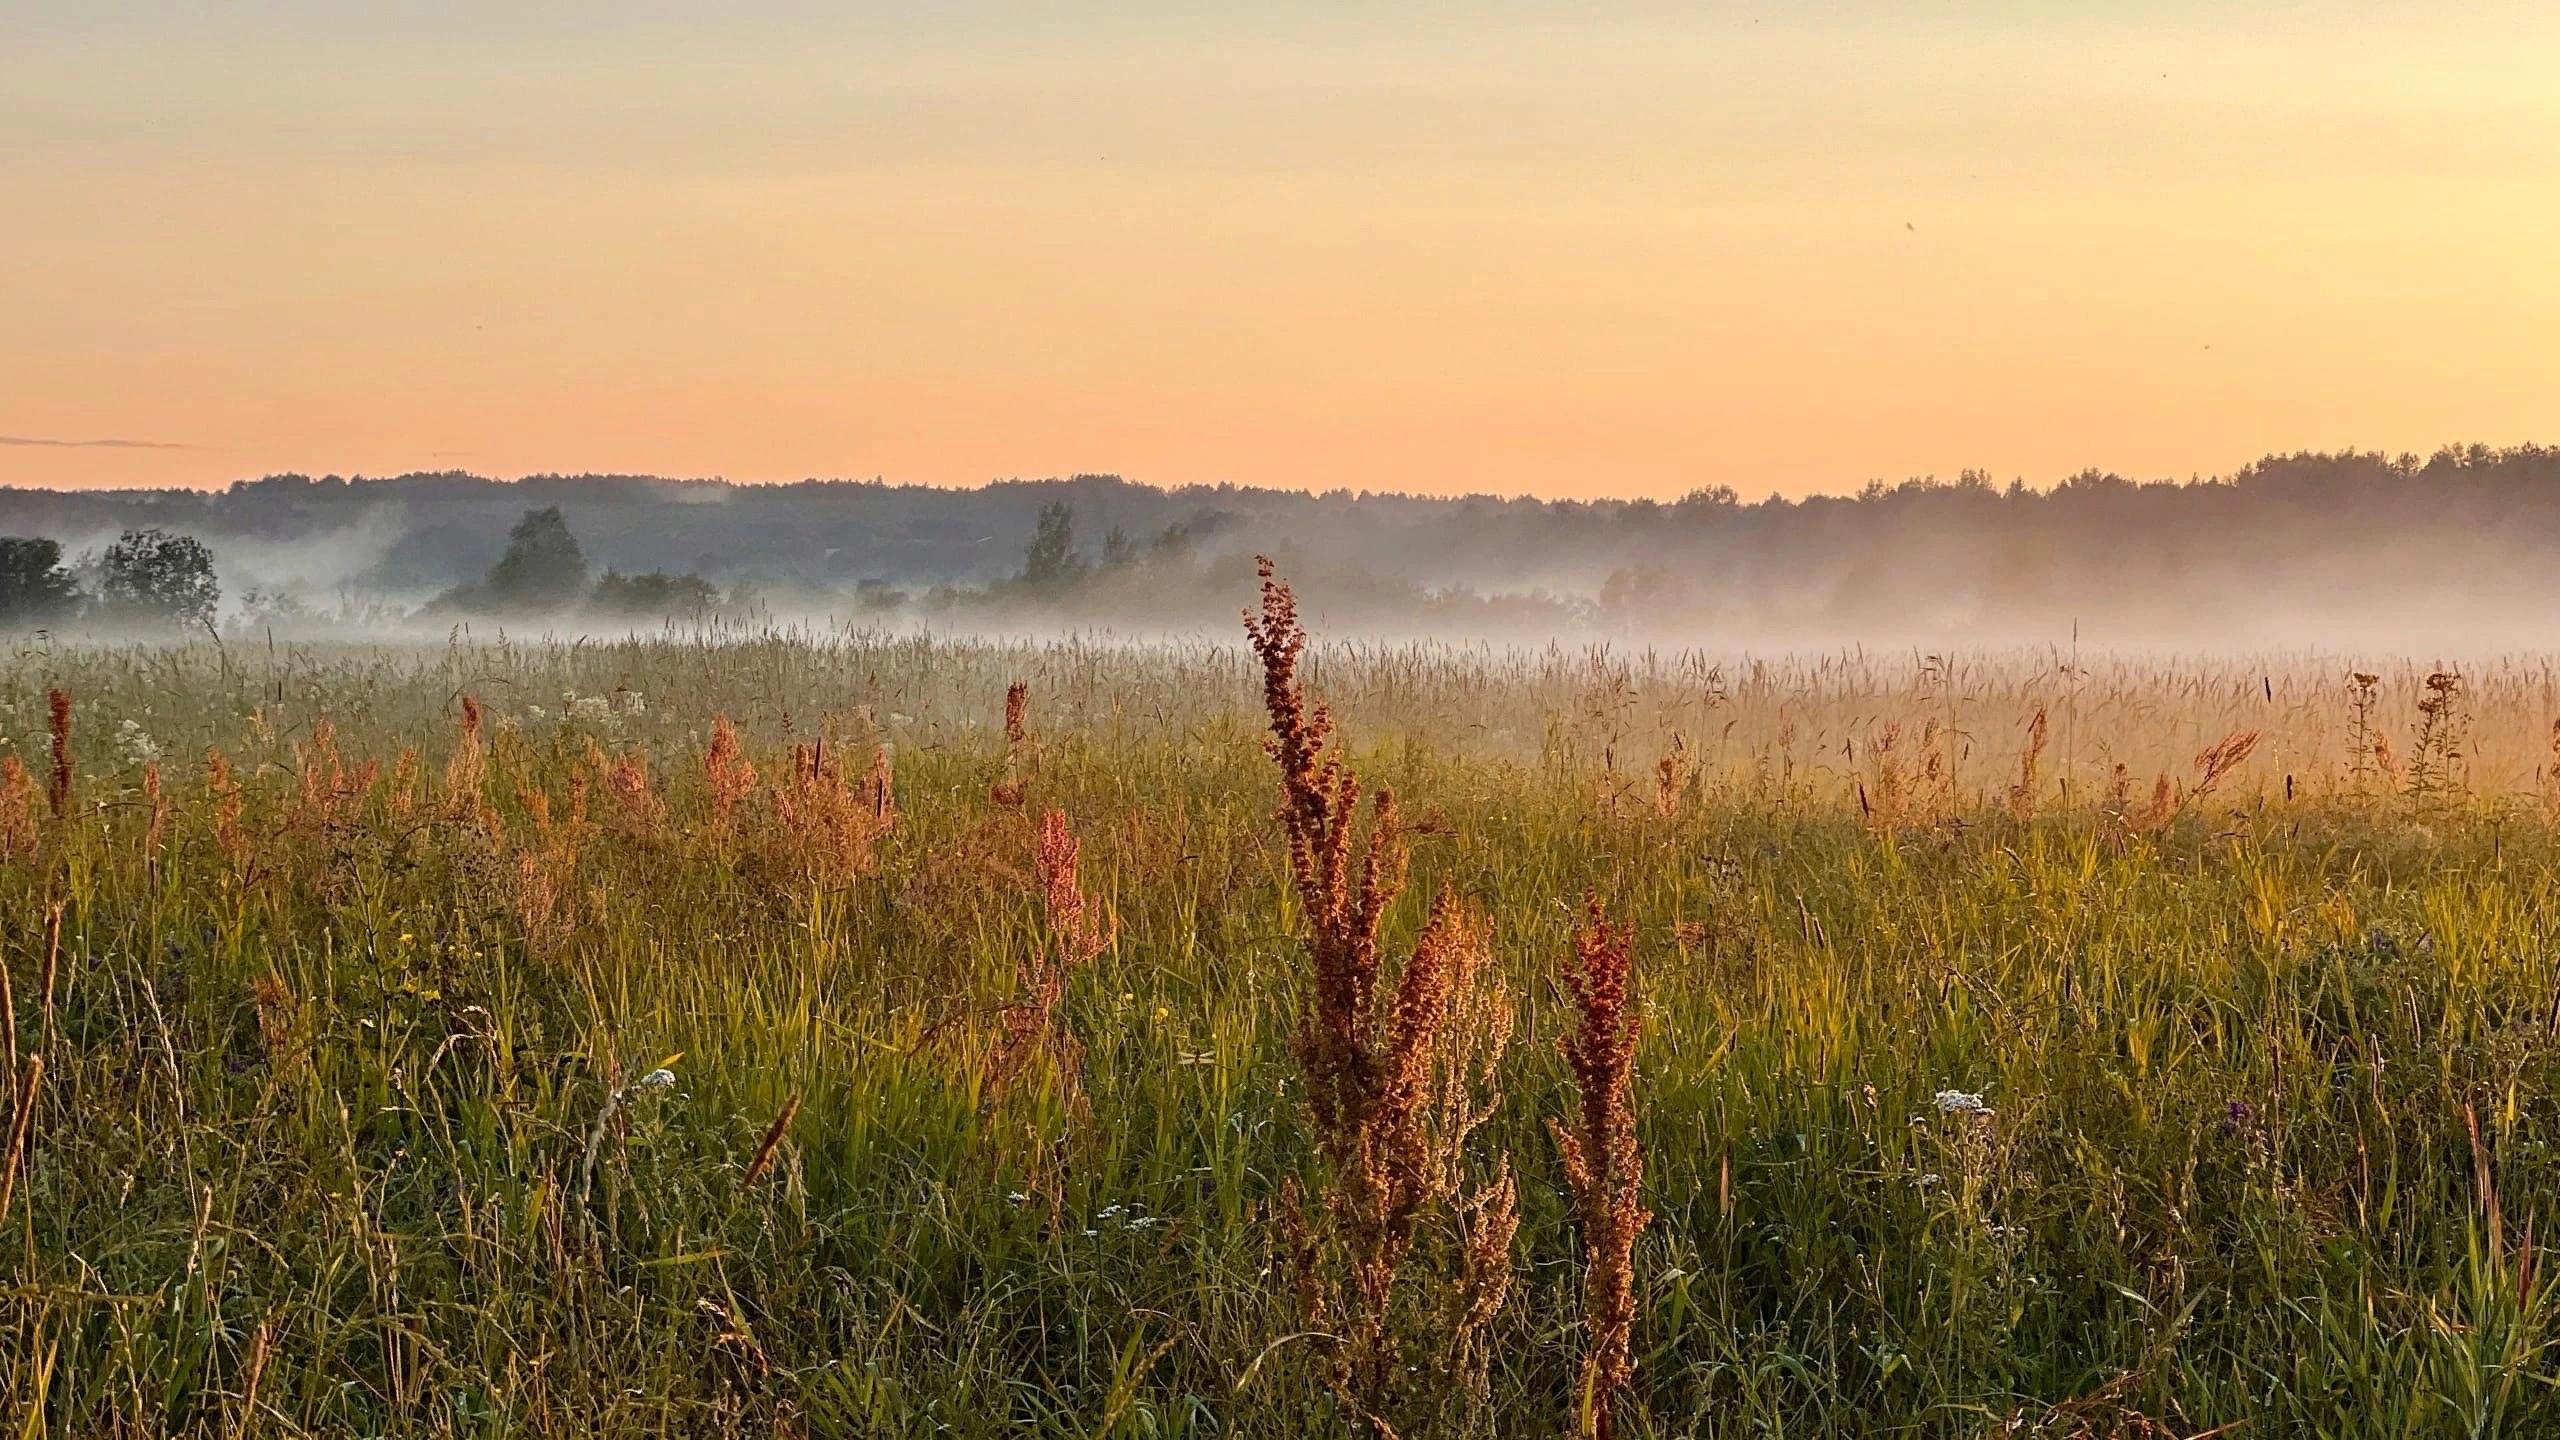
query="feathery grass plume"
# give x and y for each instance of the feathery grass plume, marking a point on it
(17, 809)
(2216, 761)
(2030, 786)
(732, 775)
(1603, 1163)
(1394, 1091)
(57, 796)
(1073, 932)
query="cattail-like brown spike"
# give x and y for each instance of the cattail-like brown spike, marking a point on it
(772, 1142)
(58, 720)
(1603, 1162)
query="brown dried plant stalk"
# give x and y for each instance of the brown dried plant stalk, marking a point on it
(1671, 777)
(1019, 746)
(57, 795)
(2030, 786)
(1395, 1084)
(732, 775)
(1603, 1163)
(17, 809)
(464, 802)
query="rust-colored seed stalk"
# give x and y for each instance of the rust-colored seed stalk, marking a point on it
(1603, 1163)
(1074, 932)
(58, 719)
(1395, 1084)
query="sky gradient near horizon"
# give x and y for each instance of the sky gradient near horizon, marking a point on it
(1626, 249)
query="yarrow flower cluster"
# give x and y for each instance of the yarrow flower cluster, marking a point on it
(1961, 1102)
(135, 744)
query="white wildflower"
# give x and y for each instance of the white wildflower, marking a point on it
(658, 1079)
(633, 704)
(1961, 1102)
(135, 745)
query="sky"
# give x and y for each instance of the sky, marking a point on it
(1510, 247)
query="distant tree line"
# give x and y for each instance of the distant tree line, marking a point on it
(2420, 543)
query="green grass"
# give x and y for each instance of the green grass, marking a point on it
(2227, 1176)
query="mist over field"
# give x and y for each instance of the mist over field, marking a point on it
(2336, 551)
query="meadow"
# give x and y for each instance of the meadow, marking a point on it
(839, 1033)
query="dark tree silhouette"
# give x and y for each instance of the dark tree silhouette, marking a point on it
(543, 567)
(1052, 558)
(155, 574)
(34, 588)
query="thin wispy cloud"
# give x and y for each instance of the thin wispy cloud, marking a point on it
(38, 443)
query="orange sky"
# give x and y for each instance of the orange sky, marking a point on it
(1626, 249)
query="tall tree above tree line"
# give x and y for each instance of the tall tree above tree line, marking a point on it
(34, 588)
(156, 575)
(1052, 558)
(543, 568)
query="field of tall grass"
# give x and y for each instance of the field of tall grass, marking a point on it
(848, 1034)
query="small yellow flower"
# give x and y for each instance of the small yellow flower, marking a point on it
(1163, 1014)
